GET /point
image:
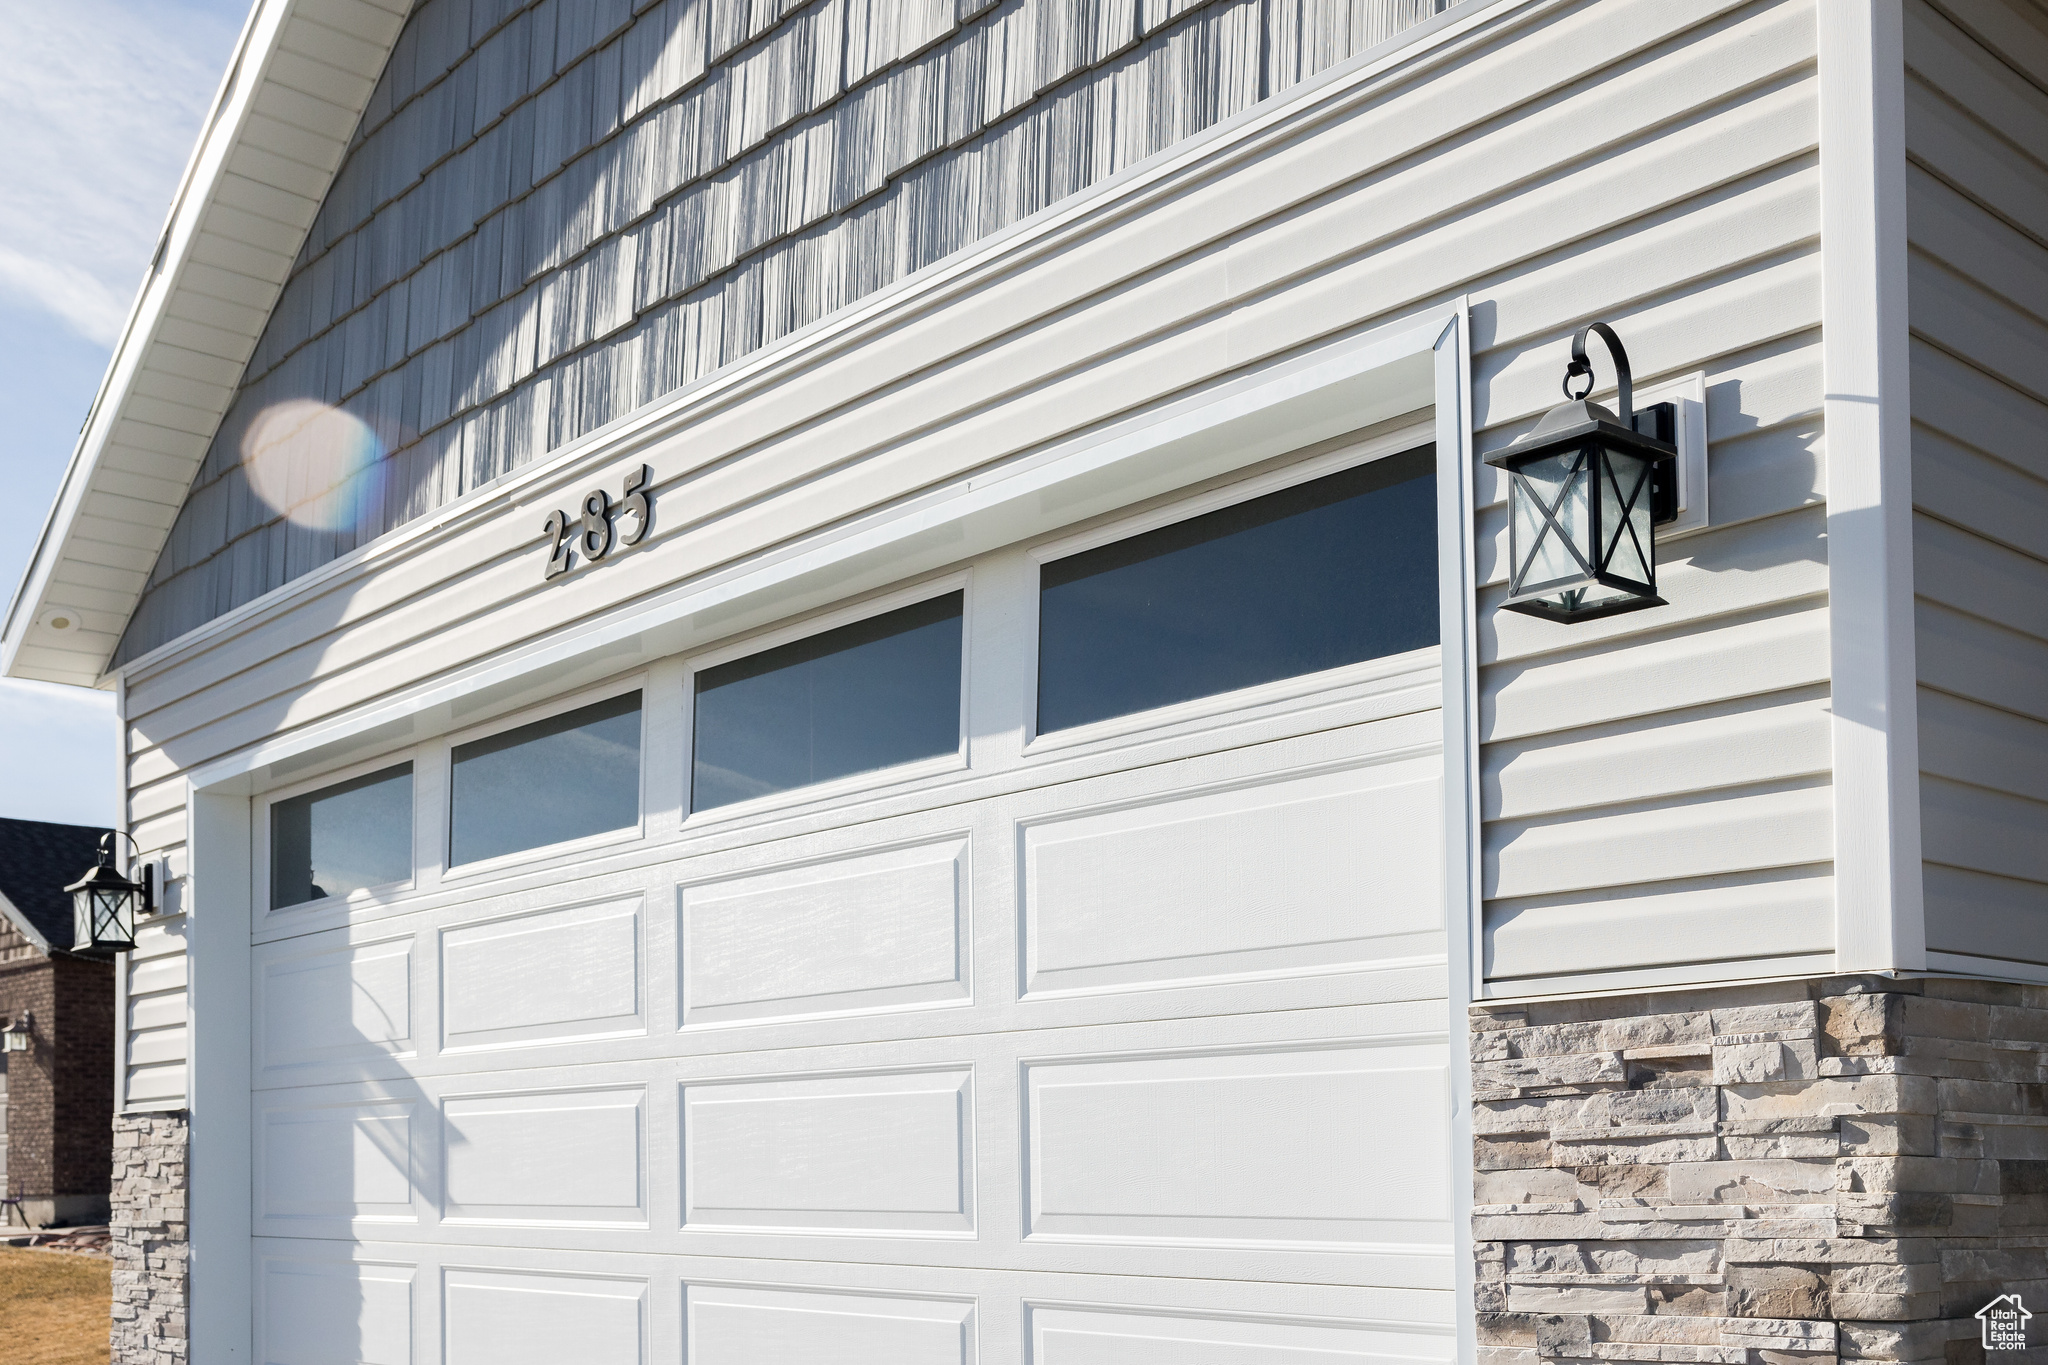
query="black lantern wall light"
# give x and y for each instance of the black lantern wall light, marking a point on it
(105, 905)
(1586, 489)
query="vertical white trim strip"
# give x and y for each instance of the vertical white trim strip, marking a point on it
(218, 1300)
(1879, 922)
(124, 963)
(1456, 575)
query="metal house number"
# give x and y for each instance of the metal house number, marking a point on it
(596, 531)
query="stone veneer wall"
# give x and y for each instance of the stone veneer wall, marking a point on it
(149, 1239)
(1780, 1174)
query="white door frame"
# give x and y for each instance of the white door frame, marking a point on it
(1417, 362)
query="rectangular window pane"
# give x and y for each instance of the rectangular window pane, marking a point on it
(1325, 573)
(870, 695)
(565, 777)
(342, 838)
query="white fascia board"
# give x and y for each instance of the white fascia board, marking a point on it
(247, 73)
(1880, 922)
(1208, 154)
(1378, 375)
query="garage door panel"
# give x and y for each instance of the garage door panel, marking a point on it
(546, 1156)
(497, 1317)
(1404, 986)
(1066, 1335)
(1314, 1147)
(1302, 873)
(887, 1153)
(327, 1163)
(1127, 1048)
(932, 1151)
(849, 933)
(543, 976)
(745, 1325)
(318, 1312)
(331, 1001)
(699, 1308)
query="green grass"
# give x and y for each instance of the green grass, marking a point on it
(53, 1308)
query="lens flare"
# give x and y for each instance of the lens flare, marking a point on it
(313, 463)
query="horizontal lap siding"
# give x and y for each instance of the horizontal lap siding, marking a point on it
(1977, 218)
(1655, 787)
(1687, 217)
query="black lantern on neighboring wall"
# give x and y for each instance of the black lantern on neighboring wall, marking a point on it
(1582, 489)
(105, 905)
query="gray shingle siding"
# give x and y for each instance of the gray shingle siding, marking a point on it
(553, 213)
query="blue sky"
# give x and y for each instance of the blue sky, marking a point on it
(101, 101)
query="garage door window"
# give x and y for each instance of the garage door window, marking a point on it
(866, 696)
(348, 837)
(567, 777)
(1330, 572)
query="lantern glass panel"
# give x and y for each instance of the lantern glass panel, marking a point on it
(103, 917)
(111, 925)
(1625, 515)
(1555, 484)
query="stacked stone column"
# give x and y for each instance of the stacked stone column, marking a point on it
(1785, 1174)
(149, 1239)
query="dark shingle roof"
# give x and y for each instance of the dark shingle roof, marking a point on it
(37, 861)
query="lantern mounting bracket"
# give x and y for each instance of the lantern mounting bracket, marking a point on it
(1582, 367)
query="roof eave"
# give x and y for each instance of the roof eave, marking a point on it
(99, 543)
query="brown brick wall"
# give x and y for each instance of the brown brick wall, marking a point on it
(82, 1146)
(60, 1093)
(31, 1101)
(1786, 1174)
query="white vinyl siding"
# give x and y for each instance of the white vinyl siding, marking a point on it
(1977, 217)
(1653, 165)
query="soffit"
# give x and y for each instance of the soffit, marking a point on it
(302, 74)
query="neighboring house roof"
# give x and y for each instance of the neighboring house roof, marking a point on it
(302, 74)
(37, 861)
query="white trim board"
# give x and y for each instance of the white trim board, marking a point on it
(1880, 919)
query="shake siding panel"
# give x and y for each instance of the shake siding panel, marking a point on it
(1470, 177)
(1977, 218)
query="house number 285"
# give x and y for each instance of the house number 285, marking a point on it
(596, 531)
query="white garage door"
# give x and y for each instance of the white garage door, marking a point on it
(1120, 1042)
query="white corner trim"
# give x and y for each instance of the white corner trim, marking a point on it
(220, 1300)
(1879, 915)
(1464, 909)
(125, 963)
